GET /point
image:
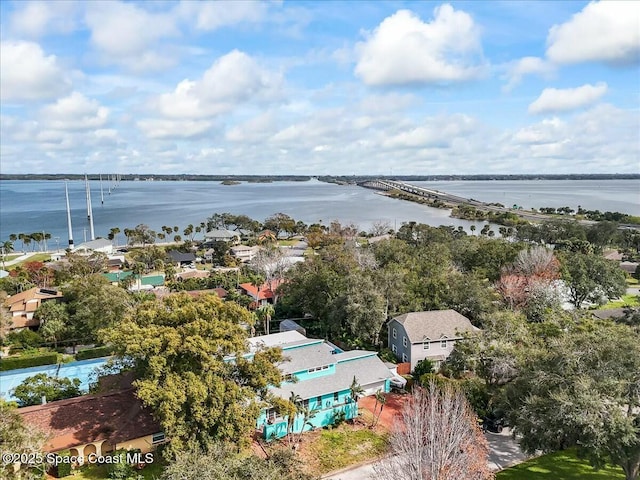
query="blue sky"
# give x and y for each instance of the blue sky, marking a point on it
(320, 87)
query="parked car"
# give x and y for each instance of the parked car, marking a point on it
(493, 424)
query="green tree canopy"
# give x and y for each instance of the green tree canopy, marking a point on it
(93, 303)
(582, 390)
(18, 438)
(592, 278)
(32, 389)
(188, 355)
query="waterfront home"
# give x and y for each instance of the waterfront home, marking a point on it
(319, 377)
(23, 306)
(95, 424)
(221, 236)
(98, 245)
(418, 335)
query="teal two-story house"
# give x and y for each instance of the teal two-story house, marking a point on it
(319, 376)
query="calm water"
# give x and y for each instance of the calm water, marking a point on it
(30, 206)
(84, 370)
(604, 195)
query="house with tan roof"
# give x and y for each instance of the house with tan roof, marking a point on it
(23, 306)
(433, 334)
(95, 424)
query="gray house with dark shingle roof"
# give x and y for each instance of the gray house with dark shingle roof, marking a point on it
(418, 335)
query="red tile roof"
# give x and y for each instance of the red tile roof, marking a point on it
(116, 417)
(266, 290)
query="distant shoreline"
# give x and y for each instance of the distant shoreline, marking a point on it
(341, 179)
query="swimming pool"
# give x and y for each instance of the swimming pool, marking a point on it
(83, 370)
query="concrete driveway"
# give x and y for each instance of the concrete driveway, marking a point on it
(503, 452)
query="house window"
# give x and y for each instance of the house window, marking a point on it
(426, 343)
(317, 369)
(443, 344)
(404, 342)
(336, 397)
(319, 401)
(288, 377)
(158, 438)
(271, 414)
(394, 349)
(395, 333)
(305, 403)
(404, 358)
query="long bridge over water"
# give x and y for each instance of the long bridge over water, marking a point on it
(455, 200)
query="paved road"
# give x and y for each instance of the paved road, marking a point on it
(21, 258)
(504, 452)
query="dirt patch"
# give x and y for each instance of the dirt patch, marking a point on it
(392, 408)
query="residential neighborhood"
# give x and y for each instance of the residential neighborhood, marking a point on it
(348, 356)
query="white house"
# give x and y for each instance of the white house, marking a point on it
(98, 245)
(418, 335)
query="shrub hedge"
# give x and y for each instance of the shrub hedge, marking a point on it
(94, 353)
(13, 363)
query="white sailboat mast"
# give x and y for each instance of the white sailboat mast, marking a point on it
(66, 193)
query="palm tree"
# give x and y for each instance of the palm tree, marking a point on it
(26, 239)
(296, 401)
(113, 234)
(380, 400)
(47, 236)
(356, 391)
(307, 415)
(473, 229)
(7, 247)
(265, 312)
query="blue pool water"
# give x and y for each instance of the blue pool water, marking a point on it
(83, 370)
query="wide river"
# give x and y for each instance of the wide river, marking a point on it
(32, 206)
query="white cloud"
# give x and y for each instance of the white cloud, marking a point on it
(232, 79)
(403, 49)
(526, 66)
(38, 18)
(544, 132)
(253, 130)
(75, 112)
(435, 132)
(127, 35)
(27, 73)
(213, 15)
(561, 100)
(592, 140)
(605, 31)
(173, 129)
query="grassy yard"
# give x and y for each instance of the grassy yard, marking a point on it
(340, 447)
(38, 257)
(625, 300)
(94, 472)
(559, 466)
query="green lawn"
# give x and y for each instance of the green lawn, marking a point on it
(150, 472)
(625, 300)
(38, 257)
(563, 465)
(343, 446)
